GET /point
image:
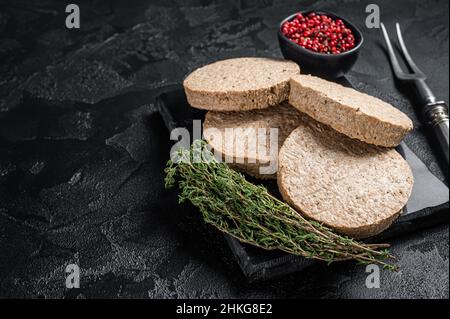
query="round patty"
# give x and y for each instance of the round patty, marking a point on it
(240, 84)
(242, 144)
(355, 114)
(355, 188)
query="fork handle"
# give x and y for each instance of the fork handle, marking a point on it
(436, 115)
(424, 92)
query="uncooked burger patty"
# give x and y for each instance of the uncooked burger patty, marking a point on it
(240, 84)
(348, 111)
(355, 188)
(242, 146)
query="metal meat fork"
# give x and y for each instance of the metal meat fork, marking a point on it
(434, 112)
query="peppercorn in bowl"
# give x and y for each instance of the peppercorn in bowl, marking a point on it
(321, 42)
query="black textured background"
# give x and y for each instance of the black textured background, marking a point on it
(82, 147)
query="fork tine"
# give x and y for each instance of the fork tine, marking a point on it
(394, 62)
(406, 54)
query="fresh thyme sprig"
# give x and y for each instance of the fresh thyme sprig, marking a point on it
(252, 215)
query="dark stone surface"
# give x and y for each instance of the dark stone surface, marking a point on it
(82, 148)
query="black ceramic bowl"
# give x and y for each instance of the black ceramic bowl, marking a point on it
(326, 65)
